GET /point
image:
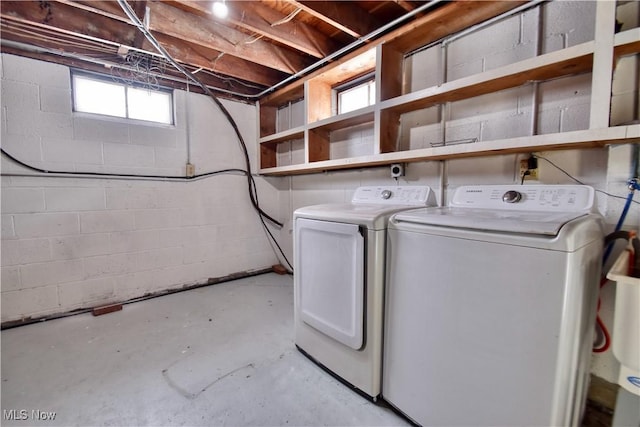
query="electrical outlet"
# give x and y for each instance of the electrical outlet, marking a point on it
(397, 170)
(190, 169)
(524, 166)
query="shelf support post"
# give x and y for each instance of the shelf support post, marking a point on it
(602, 64)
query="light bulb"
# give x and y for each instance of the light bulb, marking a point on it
(220, 9)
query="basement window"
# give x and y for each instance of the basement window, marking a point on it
(356, 94)
(96, 94)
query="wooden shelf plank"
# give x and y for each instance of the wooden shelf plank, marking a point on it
(558, 141)
(627, 42)
(352, 118)
(286, 135)
(573, 60)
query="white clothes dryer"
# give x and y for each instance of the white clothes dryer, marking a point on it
(490, 307)
(339, 259)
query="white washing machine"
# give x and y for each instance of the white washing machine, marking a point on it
(339, 258)
(490, 307)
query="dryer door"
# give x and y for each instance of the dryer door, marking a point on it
(330, 279)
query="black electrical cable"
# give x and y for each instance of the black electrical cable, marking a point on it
(250, 180)
(107, 175)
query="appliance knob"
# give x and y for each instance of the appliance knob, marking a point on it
(386, 194)
(512, 196)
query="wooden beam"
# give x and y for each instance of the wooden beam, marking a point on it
(446, 20)
(265, 21)
(67, 20)
(140, 11)
(210, 81)
(217, 62)
(194, 29)
(432, 27)
(345, 16)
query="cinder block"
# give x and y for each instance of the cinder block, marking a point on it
(156, 136)
(178, 195)
(202, 235)
(504, 126)
(86, 293)
(482, 170)
(101, 130)
(108, 265)
(159, 258)
(25, 148)
(68, 150)
(25, 251)
(157, 218)
(22, 200)
(10, 279)
(200, 253)
(128, 155)
(576, 117)
(624, 76)
(39, 123)
(74, 199)
(174, 158)
(628, 14)
(55, 100)
(132, 285)
(424, 69)
(8, 231)
(20, 98)
(170, 237)
(46, 224)
(48, 273)
(175, 277)
(75, 247)
(622, 109)
(28, 70)
(106, 221)
(29, 302)
(567, 23)
(133, 241)
(131, 198)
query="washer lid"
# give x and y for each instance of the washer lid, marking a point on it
(372, 216)
(529, 209)
(506, 221)
(371, 206)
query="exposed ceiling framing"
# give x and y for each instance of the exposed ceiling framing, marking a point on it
(259, 44)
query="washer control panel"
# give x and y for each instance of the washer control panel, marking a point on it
(394, 195)
(560, 198)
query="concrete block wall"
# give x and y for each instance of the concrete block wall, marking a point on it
(509, 113)
(71, 243)
(563, 105)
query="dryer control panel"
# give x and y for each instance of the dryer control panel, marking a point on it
(545, 198)
(394, 195)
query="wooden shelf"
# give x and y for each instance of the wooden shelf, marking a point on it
(386, 56)
(284, 136)
(352, 118)
(573, 60)
(526, 144)
(627, 42)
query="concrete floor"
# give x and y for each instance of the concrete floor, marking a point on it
(219, 355)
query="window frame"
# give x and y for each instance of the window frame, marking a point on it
(126, 85)
(368, 79)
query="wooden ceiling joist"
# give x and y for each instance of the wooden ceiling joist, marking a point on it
(258, 19)
(347, 18)
(174, 22)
